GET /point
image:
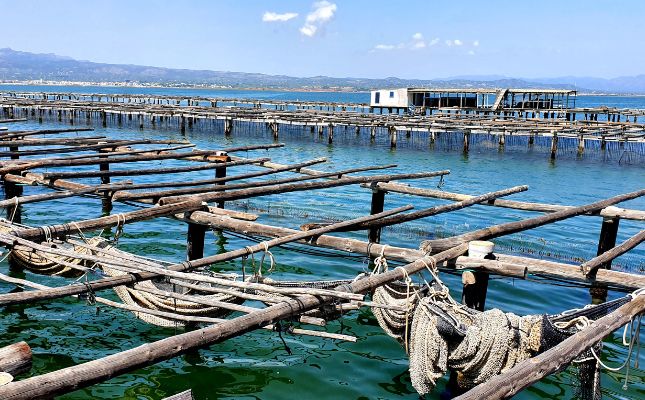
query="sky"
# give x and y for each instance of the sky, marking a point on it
(341, 38)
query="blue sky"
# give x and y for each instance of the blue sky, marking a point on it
(361, 38)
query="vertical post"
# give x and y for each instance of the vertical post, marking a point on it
(220, 172)
(606, 241)
(330, 133)
(106, 200)
(476, 283)
(378, 202)
(581, 144)
(554, 145)
(195, 241)
(14, 212)
(393, 135)
(466, 141)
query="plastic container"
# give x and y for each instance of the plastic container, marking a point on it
(480, 248)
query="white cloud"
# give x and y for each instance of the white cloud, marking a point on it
(471, 52)
(476, 43)
(434, 41)
(323, 12)
(384, 47)
(416, 43)
(448, 42)
(275, 17)
(457, 42)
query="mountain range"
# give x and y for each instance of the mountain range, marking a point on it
(25, 66)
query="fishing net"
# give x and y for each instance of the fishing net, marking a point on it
(444, 335)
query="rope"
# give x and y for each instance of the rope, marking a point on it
(271, 259)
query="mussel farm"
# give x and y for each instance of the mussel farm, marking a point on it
(429, 296)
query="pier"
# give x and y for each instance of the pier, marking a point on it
(207, 307)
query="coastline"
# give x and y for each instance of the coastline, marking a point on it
(229, 88)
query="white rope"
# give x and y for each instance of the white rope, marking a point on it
(15, 209)
(271, 259)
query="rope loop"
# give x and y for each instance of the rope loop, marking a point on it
(271, 259)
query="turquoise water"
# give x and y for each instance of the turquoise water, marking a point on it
(68, 332)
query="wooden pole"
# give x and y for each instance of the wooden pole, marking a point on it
(526, 373)
(378, 202)
(219, 188)
(83, 375)
(150, 171)
(522, 225)
(603, 260)
(294, 187)
(15, 358)
(195, 241)
(606, 241)
(106, 283)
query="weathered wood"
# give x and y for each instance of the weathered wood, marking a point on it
(12, 202)
(527, 372)
(106, 283)
(427, 212)
(376, 206)
(16, 167)
(71, 378)
(220, 188)
(607, 238)
(20, 134)
(195, 241)
(610, 211)
(517, 267)
(518, 226)
(15, 359)
(294, 187)
(81, 140)
(61, 230)
(148, 171)
(590, 268)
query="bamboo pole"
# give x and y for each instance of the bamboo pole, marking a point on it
(524, 374)
(518, 226)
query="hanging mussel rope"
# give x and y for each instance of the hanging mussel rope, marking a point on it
(43, 263)
(444, 335)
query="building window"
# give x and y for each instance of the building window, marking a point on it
(391, 95)
(377, 97)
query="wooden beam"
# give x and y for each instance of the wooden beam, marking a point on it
(522, 225)
(590, 268)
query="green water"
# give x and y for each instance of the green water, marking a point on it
(68, 332)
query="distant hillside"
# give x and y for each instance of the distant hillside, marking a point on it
(21, 66)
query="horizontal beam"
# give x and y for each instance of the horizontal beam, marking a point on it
(610, 211)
